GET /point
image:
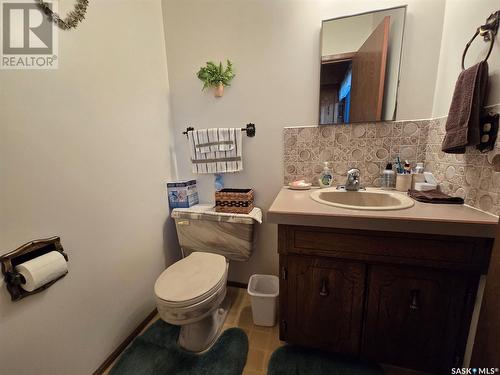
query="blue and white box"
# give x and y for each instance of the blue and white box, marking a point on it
(182, 194)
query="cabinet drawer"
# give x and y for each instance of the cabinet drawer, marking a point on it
(417, 249)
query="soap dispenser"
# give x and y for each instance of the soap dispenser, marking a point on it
(326, 177)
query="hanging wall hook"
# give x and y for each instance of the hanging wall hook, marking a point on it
(490, 29)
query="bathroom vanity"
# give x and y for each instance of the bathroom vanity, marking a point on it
(394, 286)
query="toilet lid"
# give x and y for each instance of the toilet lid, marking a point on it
(191, 277)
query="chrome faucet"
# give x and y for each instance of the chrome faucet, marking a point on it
(352, 183)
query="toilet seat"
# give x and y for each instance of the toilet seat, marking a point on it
(191, 280)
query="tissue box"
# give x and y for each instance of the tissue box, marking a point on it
(182, 194)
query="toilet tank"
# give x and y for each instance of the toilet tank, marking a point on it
(200, 228)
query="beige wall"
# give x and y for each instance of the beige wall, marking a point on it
(275, 46)
(84, 154)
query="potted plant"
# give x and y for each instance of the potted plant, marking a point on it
(216, 76)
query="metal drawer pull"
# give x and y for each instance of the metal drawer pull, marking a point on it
(324, 291)
(415, 299)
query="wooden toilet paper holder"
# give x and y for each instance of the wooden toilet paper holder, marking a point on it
(26, 252)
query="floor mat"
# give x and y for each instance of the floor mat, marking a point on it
(156, 352)
(294, 360)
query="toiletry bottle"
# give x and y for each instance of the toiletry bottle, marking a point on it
(399, 167)
(418, 175)
(388, 177)
(326, 177)
(219, 182)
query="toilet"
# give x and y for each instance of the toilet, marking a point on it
(192, 292)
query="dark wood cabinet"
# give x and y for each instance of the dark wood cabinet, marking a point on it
(400, 299)
(413, 317)
(325, 303)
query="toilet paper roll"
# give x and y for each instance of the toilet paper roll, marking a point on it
(42, 270)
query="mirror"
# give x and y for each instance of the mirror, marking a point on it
(360, 59)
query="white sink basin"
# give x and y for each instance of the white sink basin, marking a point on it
(371, 199)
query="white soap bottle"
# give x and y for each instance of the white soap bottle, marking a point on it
(326, 177)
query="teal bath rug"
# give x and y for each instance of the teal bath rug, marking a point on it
(156, 352)
(294, 360)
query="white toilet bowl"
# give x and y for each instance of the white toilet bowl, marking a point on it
(191, 293)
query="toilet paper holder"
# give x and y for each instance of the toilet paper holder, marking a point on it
(22, 254)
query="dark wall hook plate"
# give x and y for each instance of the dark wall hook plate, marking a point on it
(490, 29)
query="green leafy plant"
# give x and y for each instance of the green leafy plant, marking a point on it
(213, 75)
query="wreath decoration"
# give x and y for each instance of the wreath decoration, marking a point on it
(72, 19)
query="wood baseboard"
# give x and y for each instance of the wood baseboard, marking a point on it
(116, 353)
(236, 284)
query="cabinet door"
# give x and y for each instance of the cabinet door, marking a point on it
(414, 317)
(323, 303)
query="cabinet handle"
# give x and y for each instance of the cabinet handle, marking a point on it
(283, 325)
(323, 291)
(415, 299)
(284, 273)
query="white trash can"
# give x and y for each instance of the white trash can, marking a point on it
(264, 291)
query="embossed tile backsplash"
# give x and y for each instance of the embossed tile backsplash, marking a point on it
(370, 146)
(471, 176)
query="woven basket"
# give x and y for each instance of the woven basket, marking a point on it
(236, 201)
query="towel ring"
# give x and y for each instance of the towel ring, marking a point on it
(489, 37)
(488, 31)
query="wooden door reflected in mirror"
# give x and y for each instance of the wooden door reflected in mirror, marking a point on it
(360, 59)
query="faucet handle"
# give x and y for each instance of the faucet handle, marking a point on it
(353, 172)
(352, 183)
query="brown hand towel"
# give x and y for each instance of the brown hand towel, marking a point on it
(462, 126)
(434, 196)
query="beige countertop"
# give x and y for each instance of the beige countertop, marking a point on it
(294, 207)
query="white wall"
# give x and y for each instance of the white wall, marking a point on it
(84, 154)
(275, 46)
(461, 19)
